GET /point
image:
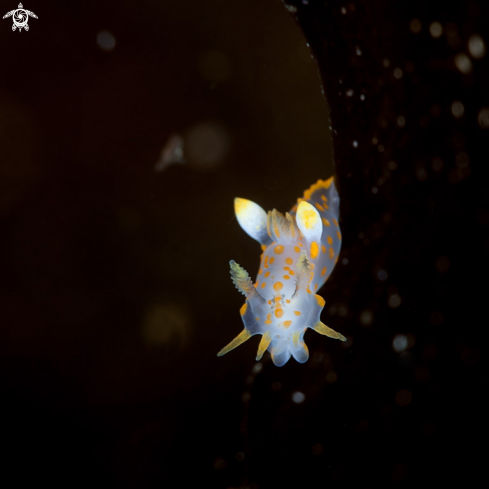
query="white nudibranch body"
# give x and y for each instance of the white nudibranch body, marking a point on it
(300, 251)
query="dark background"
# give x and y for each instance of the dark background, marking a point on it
(115, 293)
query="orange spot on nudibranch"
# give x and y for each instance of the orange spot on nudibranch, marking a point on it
(319, 207)
(242, 311)
(287, 324)
(338, 234)
(286, 277)
(331, 253)
(263, 247)
(267, 274)
(289, 261)
(256, 285)
(279, 313)
(335, 222)
(260, 271)
(315, 287)
(272, 259)
(265, 263)
(323, 272)
(323, 248)
(324, 198)
(277, 286)
(279, 249)
(287, 300)
(263, 285)
(330, 240)
(314, 250)
(325, 221)
(297, 249)
(320, 301)
(269, 319)
(297, 313)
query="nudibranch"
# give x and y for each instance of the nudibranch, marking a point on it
(300, 251)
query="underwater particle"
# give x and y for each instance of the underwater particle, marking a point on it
(291, 8)
(394, 301)
(257, 368)
(403, 397)
(207, 144)
(386, 63)
(399, 343)
(246, 396)
(343, 10)
(317, 449)
(398, 73)
(362, 97)
(483, 118)
(477, 47)
(331, 377)
(358, 51)
(401, 121)
(415, 26)
(437, 164)
(344, 261)
(382, 275)
(298, 397)
(349, 93)
(458, 109)
(172, 153)
(381, 148)
(106, 40)
(366, 318)
(392, 165)
(437, 318)
(219, 463)
(276, 386)
(355, 144)
(375, 141)
(462, 160)
(214, 66)
(442, 264)
(421, 173)
(436, 29)
(375, 190)
(240, 456)
(463, 63)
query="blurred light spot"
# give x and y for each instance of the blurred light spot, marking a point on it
(483, 117)
(219, 463)
(399, 343)
(394, 301)
(240, 456)
(172, 153)
(106, 40)
(401, 121)
(421, 173)
(207, 144)
(477, 48)
(398, 73)
(375, 190)
(298, 397)
(462, 160)
(381, 148)
(349, 93)
(317, 449)
(400, 472)
(415, 26)
(249, 380)
(343, 10)
(422, 375)
(355, 144)
(362, 97)
(366, 318)
(458, 109)
(276, 386)
(257, 368)
(392, 165)
(436, 29)
(246, 396)
(463, 63)
(291, 8)
(386, 63)
(331, 377)
(437, 164)
(165, 325)
(442, 264)
(437, 318)
(342, 310)
(344, 261)
(214, 66)
(404, 397)
(375, 140)
(382, 275)
(358, 51)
